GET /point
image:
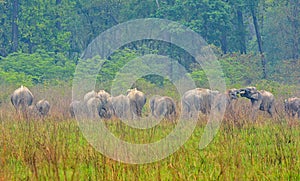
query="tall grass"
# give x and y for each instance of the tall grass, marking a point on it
(55, 148)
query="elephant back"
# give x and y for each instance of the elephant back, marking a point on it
(22, 97)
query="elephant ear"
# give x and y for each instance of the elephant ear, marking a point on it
(255, 96)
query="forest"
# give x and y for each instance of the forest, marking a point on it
(255, 40)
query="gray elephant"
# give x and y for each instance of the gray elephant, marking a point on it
(260, 100)
(137, 101)
(163, 107)
(75, 108)
(84, 109)
(226, 100)
(292, 106)
(21, 99)
(104, 111)
(89, 95)
(43, 107)
(94, 106)
(119, 106)
(196, 100)
(103, 95)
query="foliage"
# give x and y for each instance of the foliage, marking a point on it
(63, 29)
(39, 67)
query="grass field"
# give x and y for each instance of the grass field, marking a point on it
(55, 149)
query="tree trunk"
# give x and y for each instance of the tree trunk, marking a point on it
(294, 5)
(241, 31)
(58, 23)
(259, 42)
(15, 31)
(224, 42)
(157, 4)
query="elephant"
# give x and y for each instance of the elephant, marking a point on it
(21, 99)
(260, 100)
(292, 106)
(198, 99)
(163, 106)
(39, 110)
(84, 109)
(94, 106)
(119, 106)
(103, 95)
(43, 107)
(89, 95)
(104, 112)
(137, 101)
(226, 99)
(75, 108)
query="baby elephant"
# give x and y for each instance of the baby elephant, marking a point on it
(292, 106)
(42, 107)
(163, 106)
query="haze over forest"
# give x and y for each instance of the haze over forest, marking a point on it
(41, 41)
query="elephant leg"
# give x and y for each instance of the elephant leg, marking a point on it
(293, 113)
(271, 111)
(135, 112)
(139, 111)
(186, 110)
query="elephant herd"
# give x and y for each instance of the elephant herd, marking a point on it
(102, 104)
(199, 100)
(23, 101)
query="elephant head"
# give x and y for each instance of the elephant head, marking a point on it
(233, 93)
(225, 100)
(260, 100)
(249, 92)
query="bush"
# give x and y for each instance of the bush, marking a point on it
(39, 67)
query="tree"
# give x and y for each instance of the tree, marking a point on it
(293, 18)
(14, 25)
(281, 30)
(5, 28)
(253, 6)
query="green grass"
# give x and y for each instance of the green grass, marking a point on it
(56, 150)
